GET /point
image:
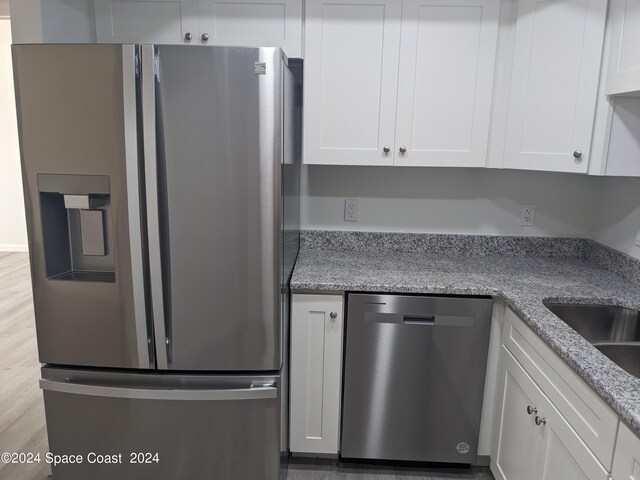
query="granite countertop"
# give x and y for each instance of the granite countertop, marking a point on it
(520, 272)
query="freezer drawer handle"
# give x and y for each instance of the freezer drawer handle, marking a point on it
(253, 393)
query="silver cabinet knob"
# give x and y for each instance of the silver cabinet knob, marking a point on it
(531, 410)
(577, 154)
(188, 36)
(205, 37)
(540, 421)
(333, 315)
(386, 149)
(403, 149)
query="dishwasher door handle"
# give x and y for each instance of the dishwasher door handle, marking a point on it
(440, 320)
(417, 319)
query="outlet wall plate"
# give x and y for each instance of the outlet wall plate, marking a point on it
(351, 210)
(528, 216)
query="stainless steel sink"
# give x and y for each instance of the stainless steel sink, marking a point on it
(626, 355)
(600, 323)
(615, 331)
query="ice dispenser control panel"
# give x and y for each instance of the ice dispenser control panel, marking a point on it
(75, 213)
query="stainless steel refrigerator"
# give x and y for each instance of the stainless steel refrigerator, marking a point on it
(162, 198)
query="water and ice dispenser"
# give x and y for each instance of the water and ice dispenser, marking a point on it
(75, 213)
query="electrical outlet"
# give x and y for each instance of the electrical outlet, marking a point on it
(528, 217)
(351, 210)
(638, 240)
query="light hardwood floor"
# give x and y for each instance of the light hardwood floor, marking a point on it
(22, 424)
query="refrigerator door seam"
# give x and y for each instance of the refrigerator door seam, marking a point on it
(151, 182)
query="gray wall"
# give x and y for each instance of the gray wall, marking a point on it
(449, 200)
(618, 221)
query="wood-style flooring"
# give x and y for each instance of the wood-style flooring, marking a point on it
(22, 422)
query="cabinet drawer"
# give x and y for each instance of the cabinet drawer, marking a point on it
(592, 419)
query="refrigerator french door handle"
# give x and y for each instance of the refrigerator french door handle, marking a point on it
(134, 202)
(153, 220)
(251, 393)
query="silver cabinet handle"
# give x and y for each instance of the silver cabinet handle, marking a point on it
(252, 393)
(205, 37)
(333, 315)
(577, 154)
(403, 149)
(386, 149)
(540, 421)
(188, 36)
(531, 410)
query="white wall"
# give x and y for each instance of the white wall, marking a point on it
(440, 200)
(618, 221)
(53, 21)
(13, 230)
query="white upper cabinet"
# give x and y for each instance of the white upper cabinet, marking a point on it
(624, 59)
(252, 23)
(350, 81)
(392, 82)
(554, 84)
(447, 59)
(146, 21)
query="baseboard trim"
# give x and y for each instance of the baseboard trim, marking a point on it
(6, 247)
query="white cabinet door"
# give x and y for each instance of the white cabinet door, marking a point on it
(535, 442)
(517, 441)
(350, 81)
(557, 53)
(626, 459)
(316, 373)
(624, 63)
(447, 59)
(252, 23)
(146, 21)
(562, 453)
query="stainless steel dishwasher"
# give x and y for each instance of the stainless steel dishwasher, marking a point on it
(414, 377)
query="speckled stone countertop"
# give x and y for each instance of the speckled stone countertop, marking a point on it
(522, 275)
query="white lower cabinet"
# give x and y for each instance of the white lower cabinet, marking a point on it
(517, 438)
(626, 460)
(534, 441)
(316, 373)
